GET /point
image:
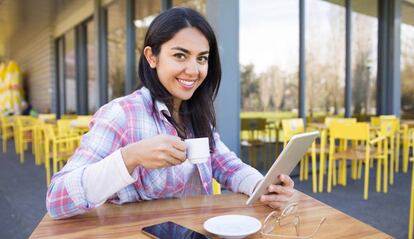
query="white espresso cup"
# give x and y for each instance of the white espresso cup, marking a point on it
(198, 150)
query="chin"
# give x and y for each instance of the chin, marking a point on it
(184, 96)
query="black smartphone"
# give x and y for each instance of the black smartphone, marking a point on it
(171, 230)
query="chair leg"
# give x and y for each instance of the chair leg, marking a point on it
(359, 169)
(4, 144)
(378, 178)
(330, 168)
(47, 163)
(21, 141)
(366, 181)
(314, 171)
(344, 172)
(55, 159)
(306, 172)
(321, 171)
(392, 155)
(392, 164)
(397, 152)
(385, 183)
(301, 170)
(334, 173)
(405, 148)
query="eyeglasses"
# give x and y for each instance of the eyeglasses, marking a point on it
(284, 219)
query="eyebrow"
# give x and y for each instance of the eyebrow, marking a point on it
(187, 51)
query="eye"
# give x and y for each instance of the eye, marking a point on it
(202, 59)
(179, 56)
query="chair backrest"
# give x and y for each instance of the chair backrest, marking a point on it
(49, 132)
(330, 120)
(68, 116)
(254, 126)
(375, 121)
(291, 127)
(6, 120)
(349, 131)
(63, 126)
(388, 117)
(23, 121)
(86, 118)
(44, 117)
(6, 124)
(389, 127)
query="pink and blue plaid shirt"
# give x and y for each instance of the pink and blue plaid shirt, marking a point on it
(126, 120)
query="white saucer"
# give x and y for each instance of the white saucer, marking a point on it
(232, 226)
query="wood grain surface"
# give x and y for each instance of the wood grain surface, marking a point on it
(126, 221)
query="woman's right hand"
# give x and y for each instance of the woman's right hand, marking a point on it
(156, 152)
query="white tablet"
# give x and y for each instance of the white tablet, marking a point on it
(285, 163)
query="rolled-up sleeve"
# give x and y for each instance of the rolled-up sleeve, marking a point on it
(66, 195)
(230, 171)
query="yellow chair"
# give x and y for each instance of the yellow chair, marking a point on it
(388, 117)
(45, 117)
(81, 123)
(38, 142)
(391, 129)
(7, 129)
(361, 150)
(292, 127)
(406, 137)
(325, 138)
(64, 127)
(68, 116)
(395, 139)
(375, 121)
(61, 147)
(255, 129)
(216, 187)
(330, 120)
(24, 131)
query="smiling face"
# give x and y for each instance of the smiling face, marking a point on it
(182, 63)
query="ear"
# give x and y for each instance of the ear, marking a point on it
(151, 58)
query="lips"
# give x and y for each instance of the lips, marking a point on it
(186, 84)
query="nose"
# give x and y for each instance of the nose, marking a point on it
(192, 68)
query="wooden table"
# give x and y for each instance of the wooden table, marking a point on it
(126, 221)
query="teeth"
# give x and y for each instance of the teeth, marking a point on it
(185, 82)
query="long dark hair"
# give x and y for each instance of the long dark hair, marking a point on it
(199, 109)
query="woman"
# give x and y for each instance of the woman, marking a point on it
(134, 149)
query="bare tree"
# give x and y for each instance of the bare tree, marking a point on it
(272, 85)
(407, 70)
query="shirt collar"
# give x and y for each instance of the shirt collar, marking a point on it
(159, 106)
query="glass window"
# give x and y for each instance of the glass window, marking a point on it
(70, 76)
(325, 58)
(407, 61)
(92, 82)
(145, 12)
(116, 49)
(364, 57)
(269, 58)
(199, 5)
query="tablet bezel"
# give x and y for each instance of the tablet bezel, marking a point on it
(285, 163)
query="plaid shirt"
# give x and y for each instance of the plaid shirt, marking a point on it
(126, 120)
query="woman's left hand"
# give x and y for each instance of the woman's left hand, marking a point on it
(279, 194)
